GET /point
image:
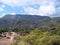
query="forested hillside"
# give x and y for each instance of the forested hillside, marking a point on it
(27, 22)
(30, 30)
(12, 22)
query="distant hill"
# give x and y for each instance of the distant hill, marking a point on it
(28, 21)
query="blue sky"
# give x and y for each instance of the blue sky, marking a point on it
(33, 7)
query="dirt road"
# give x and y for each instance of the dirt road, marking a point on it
(6, 41)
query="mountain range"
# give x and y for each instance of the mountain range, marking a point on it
(28, 21)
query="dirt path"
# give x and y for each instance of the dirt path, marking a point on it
(5, 41)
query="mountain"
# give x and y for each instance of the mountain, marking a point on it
(22, 20)
(28, 21)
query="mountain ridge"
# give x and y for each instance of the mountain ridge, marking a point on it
(28, 21)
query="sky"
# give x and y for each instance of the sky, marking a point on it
(31, 7)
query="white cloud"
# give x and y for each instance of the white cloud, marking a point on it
(47, 7)
(3, 6)
(1, 9)
(58, 11)
(30, 10)
(14, 2)
(2, 15)
(12, 13)
(46, 10)
(7, 13)
(43, 10)
(42, 2)
(27, 2)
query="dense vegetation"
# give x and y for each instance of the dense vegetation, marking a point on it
(32, 30)
(38, 37)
